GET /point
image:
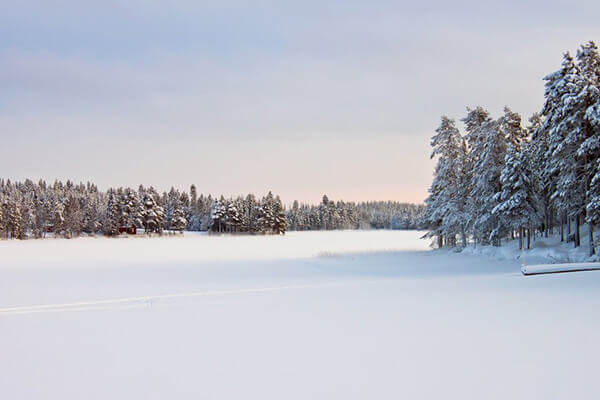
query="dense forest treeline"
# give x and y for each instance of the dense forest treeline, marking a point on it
(329, 215)
(503, 180)
(33, 210)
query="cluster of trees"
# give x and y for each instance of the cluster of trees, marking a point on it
(501, 179)
(330, 215)
(31, 210)
(248, 215)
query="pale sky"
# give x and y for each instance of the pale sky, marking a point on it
(301, 98)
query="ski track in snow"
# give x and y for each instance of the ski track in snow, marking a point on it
(148, 301)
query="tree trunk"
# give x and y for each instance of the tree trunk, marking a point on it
(562, 230)
(591, 237)
(521, 238)
(577, 233)
(528, 238)
(568, 229)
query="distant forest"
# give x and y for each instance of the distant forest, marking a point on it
(36, 210)
(348, 215)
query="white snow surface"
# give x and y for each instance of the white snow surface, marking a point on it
(311, 315)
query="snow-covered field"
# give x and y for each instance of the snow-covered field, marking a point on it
(314, 315)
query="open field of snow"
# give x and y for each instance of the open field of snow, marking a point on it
(312, 315)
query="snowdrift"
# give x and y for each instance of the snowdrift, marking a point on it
(558, 268)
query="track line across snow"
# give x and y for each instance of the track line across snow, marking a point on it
(130, 302)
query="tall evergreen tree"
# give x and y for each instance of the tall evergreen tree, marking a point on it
(444, 207)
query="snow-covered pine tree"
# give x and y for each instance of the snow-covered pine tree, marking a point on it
(444, 207)
(536, 155)
(169, 201)
(110, 224)
(40, 216)
(517, 203)
(218, 216)
(72, 217)
(13, 219)
(280, 222)
(567, 197)
(475, 137)
(3, 205)
(585, 116)
(90, 222)
(248, 215)
(234, 216)
(593, 204)
(266, 214)
(58, 221)
(485, 182)
(293, 215)
(178, 220)
(153, 214)
(510, 123)
(136, 209)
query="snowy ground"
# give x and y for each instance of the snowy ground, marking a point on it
(321, 315)
(543, 250)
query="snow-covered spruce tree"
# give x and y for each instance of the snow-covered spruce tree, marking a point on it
(266, 214)
(293, 215)
(483, 135)
(567, 197)
(170, 201)
(27, 214)
(485, 183)
(573, 94)
(593, 204)
(13, 219)
(178, 222)
(510, 124)
(248, 214)
(586, 117)
(193, 196)
(218, 216)
(324, 213)
(159, 211)
(110, 224)
(153, 215)
(4, 218)
(444, 207)
(58, 221)
(459, 221)
(516, 138)
(280, 222)
(233, 216)
(91, 223)
(136, 209)
(518, 200)
(124, 210)
(536, 156)
(473, 122)
(72, 217)
(3, 229)
(40, 215)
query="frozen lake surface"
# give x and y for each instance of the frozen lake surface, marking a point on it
(312, 315)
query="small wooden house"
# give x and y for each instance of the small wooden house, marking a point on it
(131, 230)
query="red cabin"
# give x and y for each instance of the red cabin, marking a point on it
(132, 230)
